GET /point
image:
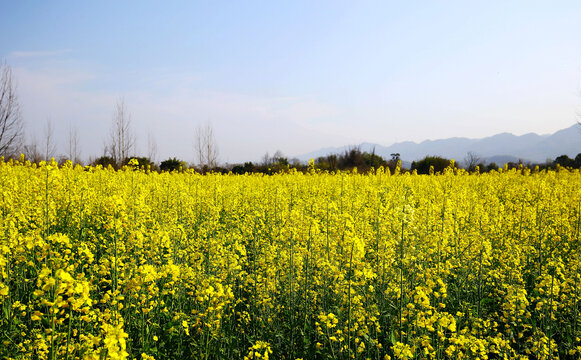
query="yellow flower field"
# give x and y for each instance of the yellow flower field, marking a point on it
(103, 264)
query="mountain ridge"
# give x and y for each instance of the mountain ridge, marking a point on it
(529, 147)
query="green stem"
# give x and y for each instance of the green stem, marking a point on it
(349, 300)
(69, 330)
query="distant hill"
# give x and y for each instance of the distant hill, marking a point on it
(499, 148)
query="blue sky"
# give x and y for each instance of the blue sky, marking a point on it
(293, 76)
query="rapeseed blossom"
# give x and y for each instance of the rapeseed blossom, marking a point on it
(129, 264)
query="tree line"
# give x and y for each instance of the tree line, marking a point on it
(119, 148)
(119, 145)
(353, 159)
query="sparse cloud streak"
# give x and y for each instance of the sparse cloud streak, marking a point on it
(38, 54)
(295, 76)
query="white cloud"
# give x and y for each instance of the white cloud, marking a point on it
(36, 54)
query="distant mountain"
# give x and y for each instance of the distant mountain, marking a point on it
(498, 148)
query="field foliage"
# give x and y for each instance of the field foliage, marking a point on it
(104, 264)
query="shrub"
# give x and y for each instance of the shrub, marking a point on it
(423, 166)
(171, 165)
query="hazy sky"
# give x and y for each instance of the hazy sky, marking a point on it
(293, 76)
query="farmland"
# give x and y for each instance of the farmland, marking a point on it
(104, 264)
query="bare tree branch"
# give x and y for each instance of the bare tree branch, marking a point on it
(11, 124)
(74, 152)
(122, 139)
(32, 151)
(205, 146)
(49, 145)
(471, 160)
(151, 147)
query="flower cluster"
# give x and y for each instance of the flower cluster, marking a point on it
(130, 264)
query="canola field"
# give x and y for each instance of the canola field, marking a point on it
(104, 264)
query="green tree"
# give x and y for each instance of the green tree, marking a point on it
(565, 161)
(171, 165)
(423, 166)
